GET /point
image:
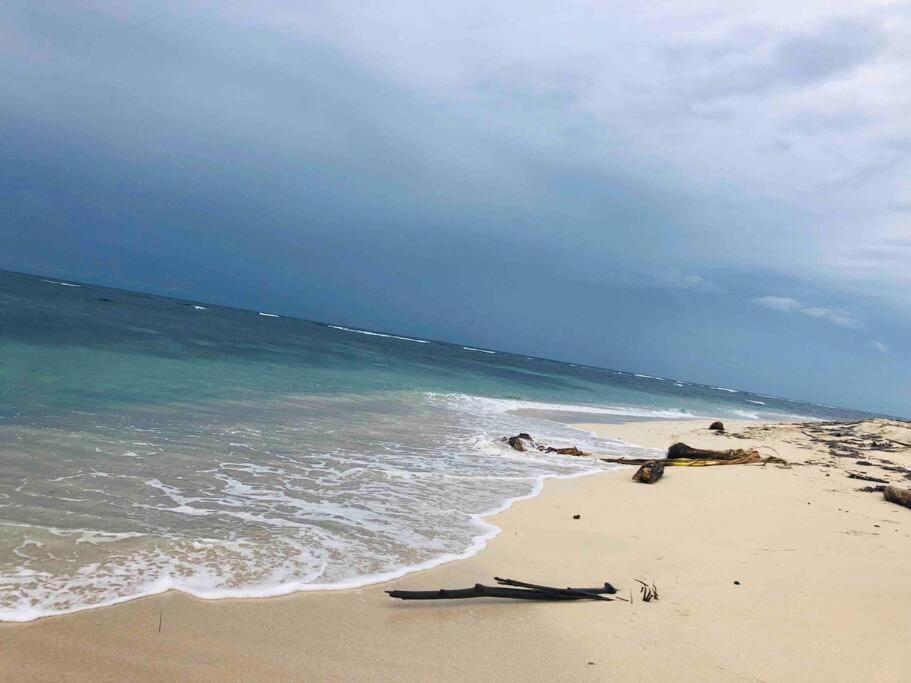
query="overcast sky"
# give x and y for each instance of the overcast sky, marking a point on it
(715, 191)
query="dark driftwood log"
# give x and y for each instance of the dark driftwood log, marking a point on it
(864, 477)
(650, 472)
(898, 496)
(582, 591)
(481, 591)
(684, 452)
(571, 450)
(628, 461)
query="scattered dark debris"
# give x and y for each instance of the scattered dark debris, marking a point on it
(648, 592)
(737, 583)
(577, 516)
(873, 489)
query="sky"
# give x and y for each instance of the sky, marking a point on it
(712, 191)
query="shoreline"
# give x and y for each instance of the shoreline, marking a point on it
(479, 544)
(821, 566)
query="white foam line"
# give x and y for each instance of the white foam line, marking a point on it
(378, 334)
(65, 284)
(268, 315)
(478, 543)
(733, 391)
(468, 348)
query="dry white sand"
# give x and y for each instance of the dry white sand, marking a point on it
(824, 594)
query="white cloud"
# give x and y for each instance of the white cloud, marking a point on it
(842, 318)
(879, 346)
(786, 304)
(778, 303)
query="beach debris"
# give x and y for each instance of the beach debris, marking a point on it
(679, 451)
(737, 583)
(571, 450)
(650, 472)
(897, 495)
(879, 488)
(520, 442)
(678, 454)
(577, 516)
(510, 588)
(717, 426)
(647, 592)
(864, 477)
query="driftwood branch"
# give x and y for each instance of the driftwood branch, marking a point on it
(580, 592)
(517, 590)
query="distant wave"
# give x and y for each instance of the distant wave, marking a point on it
(468, 348)
(660, 379)
(733, 391)
(65, 284)
(269, 315)
(378, 334)
(203, 308)
(759, 403)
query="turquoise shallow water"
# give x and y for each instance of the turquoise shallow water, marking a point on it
(150, 443)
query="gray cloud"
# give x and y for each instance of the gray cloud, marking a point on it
(379, 160)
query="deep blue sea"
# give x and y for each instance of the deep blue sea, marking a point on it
(149, 443)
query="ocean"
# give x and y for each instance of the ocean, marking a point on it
(149, 443)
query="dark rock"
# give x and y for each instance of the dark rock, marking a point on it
(521, 442)
(577, 516)
(898, 496)
(717, 427)
(866, 463)
(650, 472)
(516, 443)
(737, 583)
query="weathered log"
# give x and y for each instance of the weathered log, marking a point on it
(680, 451)
(864, 477)
(561, 592)
(608, 588)
(898, 496)
(650, 472)
(481, 591)
(628, 461)
(717, 426)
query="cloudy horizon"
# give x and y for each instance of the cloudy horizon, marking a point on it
(718, 193)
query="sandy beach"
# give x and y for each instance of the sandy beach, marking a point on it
(824, 590)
